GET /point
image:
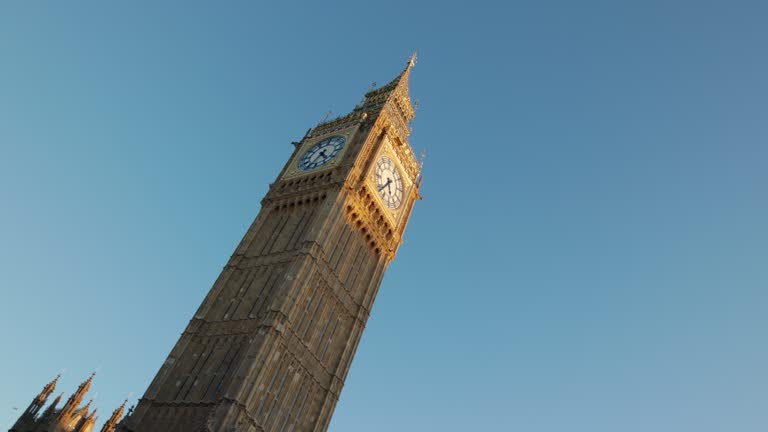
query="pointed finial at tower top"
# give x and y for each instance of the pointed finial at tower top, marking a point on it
(47, 390)
(74, 401)
(393, 97)
(52, 385)
(87, 383)
(402, 80)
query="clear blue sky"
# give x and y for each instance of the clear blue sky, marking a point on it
(591, 254)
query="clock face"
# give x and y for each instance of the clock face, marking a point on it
(321, 153)
(389, 182)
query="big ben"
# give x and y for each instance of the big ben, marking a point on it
(271, 344)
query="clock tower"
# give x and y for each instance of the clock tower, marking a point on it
(270, 346)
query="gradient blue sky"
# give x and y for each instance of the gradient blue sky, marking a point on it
(591, 253)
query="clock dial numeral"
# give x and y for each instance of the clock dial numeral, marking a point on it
(321, 153)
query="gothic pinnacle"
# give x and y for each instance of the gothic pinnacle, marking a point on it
(47, 390)
(117, 414)
(74, 401)
(86, 408)
(52, 384)
(83, 388)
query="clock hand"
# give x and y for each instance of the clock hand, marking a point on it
(389, 185)
(385, 184)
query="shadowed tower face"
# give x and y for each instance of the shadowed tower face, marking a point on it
(271, 344)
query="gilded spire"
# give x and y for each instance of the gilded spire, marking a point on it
(403, 82)
(111, 423)
(84, 387)
(74, 401)
(400, 94)
(393, 98)
(30, 414)
(51, 386)
(86, 408)
(47, 390)
(400, 82)
(396, 93)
